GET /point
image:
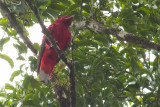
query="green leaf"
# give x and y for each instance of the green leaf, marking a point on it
(19, 7)
(26, 81)
(115, 103)
(14, 74)
(133, 88)
(33, 63)
(36, 46)
(145, 9)
(21, 66)
(34, 83)
(57, 6)
(134, 65)
(20, 57)
(86, 43)
(9, 86)
(8, 59)
(30, 83)
(11, 32)
(3, 94)
(49, 12)
(3, 21)
(21, 47)
(28, 96)
(3, 41)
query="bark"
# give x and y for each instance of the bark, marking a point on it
(128, 37)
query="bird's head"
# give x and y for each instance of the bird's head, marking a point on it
(65, 20)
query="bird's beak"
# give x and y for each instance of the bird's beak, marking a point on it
(69, 17)
(68, 20)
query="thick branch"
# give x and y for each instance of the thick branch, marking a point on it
(131, 38)
(61, 91)
(17, 26)
(72, 86)
(141, 41)
(48, 34)
(59, 52)
(62, 97)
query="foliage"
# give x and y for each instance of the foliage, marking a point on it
(109, 73)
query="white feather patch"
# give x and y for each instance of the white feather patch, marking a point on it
(43, 77)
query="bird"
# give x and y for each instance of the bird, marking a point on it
(48, 57)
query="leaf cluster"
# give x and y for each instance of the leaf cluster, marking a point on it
(108, 72)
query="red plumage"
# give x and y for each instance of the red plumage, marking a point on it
(48, 57)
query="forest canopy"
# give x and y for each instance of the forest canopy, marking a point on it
(112, 60)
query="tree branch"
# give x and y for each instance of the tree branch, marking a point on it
(119, 34)
(17, 26)
(48, 34)
(61, 92)
(59, 52)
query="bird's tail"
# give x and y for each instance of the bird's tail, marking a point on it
(43, 77)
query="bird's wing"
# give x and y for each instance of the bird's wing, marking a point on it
(68, 40)
(45, 40)
(41, 54)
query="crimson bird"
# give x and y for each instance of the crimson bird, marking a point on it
(48, 57)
